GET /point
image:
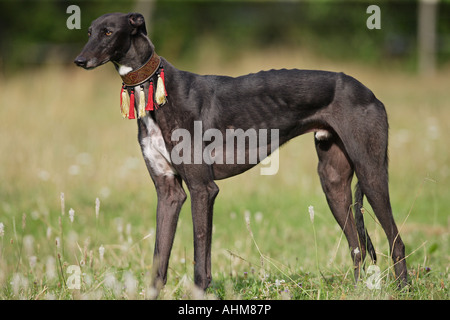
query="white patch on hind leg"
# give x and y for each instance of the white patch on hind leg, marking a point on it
(322, 135)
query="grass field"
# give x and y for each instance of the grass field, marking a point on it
(61, 132)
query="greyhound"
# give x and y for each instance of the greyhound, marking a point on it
(349, 122)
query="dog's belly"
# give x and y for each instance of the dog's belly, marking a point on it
(154, 149)
(224, 171)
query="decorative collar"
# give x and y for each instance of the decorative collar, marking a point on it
(142, 74)
(157, 94)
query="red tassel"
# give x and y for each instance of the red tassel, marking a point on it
(131, 114)
(149, 106)
(164, 82)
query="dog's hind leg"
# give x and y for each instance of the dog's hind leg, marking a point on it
(366, 142)
(203, 191)
(202, 202)
(336, 172)
(373, 180)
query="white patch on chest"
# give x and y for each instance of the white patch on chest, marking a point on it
(123, 70)
(154, 149)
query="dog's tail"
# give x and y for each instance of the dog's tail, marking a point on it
(364, 238)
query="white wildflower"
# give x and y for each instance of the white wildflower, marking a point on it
(247, 221)
(128, 232)
(279, 282)
(2, 229)
(19, 284)
(130, 284)
(151, 293)
(74, 170)
(49, 233)
(32, 261)
(247, 217)
(50, 268)
(112, 283)
(258, 217)
(43, 175)
(71, 214)
(62, 203)
(119, 225)
(110, 280)
(101, 251)
(28, 244)
(97, 207)
(311, 213)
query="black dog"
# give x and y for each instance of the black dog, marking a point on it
(350, 125)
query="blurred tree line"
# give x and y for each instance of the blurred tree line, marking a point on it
(34, 32)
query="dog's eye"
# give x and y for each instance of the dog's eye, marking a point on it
(108, 32)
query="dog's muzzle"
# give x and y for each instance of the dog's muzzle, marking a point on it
(80, 61)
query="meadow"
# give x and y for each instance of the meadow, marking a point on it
(77, 206)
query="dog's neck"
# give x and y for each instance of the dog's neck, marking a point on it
(141, 74)
(140, 58)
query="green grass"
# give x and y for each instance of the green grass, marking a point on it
(61, 132)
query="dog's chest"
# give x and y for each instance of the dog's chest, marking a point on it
(154, 149)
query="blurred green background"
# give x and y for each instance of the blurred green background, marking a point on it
(35, 32)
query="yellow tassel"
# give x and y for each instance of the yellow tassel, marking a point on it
(125, 107)
(141, 106)
(160, 95)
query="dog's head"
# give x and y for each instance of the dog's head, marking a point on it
(110, 38)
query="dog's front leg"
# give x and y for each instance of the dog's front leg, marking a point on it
(169, 190)
(171, 197)
(202, 202)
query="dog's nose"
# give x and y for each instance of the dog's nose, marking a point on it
(80, 61)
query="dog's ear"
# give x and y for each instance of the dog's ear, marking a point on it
(136, 20)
